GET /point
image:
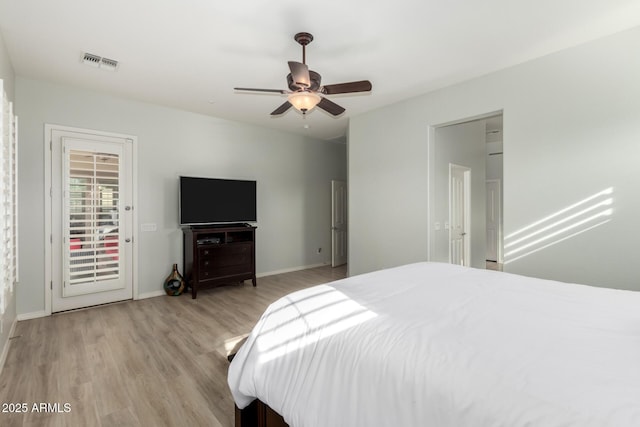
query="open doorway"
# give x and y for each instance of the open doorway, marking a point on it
(476, 144)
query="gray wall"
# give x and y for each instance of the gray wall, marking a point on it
(571, 130)
(293, 175)
(8, 82)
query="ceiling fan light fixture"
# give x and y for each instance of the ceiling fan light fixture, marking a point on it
(304, 100)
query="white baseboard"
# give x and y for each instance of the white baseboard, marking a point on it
(151, 294)
(265, 274)
(289, 270)
(5, 348)
(32, 315)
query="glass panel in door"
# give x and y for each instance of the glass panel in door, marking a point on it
(92, 223)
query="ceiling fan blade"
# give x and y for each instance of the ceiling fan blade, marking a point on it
(250, 89)
(360, 86)
(281, 109)
(300, 74)
(330, 107)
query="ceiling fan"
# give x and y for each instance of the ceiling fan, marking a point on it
(306, 91)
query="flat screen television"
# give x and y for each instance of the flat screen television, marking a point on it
(216, 201)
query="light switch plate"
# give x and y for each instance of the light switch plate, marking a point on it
(149, 227)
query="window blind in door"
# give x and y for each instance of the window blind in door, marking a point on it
(92, 234)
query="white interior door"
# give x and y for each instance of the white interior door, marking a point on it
(493, 220)
(338, 223)
(459, 215)
(92, 223)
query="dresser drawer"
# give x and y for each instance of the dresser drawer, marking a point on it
(225, 260)
(215, 251)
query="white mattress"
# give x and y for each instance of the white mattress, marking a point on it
(439, 345)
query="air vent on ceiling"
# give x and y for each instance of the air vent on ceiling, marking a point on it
(89, 59)
(109, 64)
(99, 62)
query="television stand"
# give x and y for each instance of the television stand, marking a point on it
(218, 255)
(209, 226)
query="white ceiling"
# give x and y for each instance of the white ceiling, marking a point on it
(189, 54)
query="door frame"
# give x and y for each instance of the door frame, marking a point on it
(431, 167)
(48, 214)
(335, 262)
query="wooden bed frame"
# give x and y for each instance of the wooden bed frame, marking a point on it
(257, 414)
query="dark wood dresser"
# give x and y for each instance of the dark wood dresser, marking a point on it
(218, 255)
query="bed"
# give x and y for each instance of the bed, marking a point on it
(432, 344)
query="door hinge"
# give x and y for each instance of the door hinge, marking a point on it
(51, 238)
(50, 145)
(51, 285)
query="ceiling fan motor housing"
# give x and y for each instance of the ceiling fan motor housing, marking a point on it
(314, 77)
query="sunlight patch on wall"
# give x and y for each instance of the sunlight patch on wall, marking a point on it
(575, 219)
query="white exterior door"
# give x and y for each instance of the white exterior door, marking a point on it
(493, 220)
(459, 215)
(338, 223)
(91, 219)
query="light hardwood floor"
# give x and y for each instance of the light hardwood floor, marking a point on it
(492, 265)
(154, 362)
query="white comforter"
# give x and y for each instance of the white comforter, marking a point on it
(438, 345)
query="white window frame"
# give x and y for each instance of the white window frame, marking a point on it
(8, 200)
